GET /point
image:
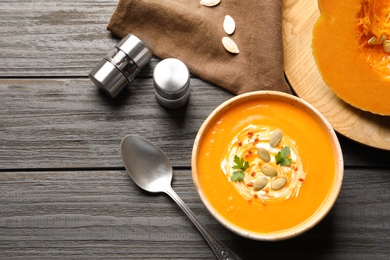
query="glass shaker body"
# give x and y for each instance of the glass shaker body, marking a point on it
(121, 65)
(124, 63)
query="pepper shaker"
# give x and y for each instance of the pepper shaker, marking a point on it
(120, 66)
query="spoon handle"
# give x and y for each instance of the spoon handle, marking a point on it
(219, 249)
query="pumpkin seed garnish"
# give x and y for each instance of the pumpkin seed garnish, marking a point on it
(230, 45)
(210, 3)
(263, 154)
(278, 183)
(229, 25)
(260, 183)
(276, 137)
(269, 171)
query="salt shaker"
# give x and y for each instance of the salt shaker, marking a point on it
(171, 79)
(119, 67)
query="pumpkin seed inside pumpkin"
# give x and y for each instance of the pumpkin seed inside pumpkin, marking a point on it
(386, 46)
(374, 40)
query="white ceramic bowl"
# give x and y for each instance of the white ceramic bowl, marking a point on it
(337, 175)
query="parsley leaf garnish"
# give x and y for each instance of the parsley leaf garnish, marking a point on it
(240, 166)
(237, 176)
(281, 156)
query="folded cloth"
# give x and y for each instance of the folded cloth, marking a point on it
(191, 32)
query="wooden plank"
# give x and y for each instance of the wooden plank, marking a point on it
(55, 38)
(94, 214)
(69, 123)
(359, 155)
(102, 214)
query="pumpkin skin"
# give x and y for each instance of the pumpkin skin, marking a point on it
(357, 72)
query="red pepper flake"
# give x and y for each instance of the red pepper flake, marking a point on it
(249, 151)
(255, 141)
(266, 191)
(250, 184)
(301, 179)
(240, 144)
(250, 134)
(255, 196)
(253, 174)
(250, 201)
(295, 168)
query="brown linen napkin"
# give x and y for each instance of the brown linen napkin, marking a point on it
(193, 33)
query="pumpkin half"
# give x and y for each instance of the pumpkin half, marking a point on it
(350, 41)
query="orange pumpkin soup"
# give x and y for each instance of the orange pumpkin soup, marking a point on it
(309, 173)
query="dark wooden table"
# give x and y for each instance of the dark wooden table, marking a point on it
(64, 192)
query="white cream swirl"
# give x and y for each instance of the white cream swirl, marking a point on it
(245, 145)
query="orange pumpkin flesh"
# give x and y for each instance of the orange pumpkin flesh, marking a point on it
(358, 72)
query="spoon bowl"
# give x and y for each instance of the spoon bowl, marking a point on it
(151, 170)
(146, 164)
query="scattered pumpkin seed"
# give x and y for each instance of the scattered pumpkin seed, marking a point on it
(229, 25)
(210, 3)
(276, 137)
(263, 154)
(269, 171)
(230, 45)
(260, 183)
(386, 46)
(278, 183)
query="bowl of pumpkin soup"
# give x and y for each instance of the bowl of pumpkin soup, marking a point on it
(267, 165)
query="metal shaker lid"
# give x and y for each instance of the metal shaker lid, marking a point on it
(171, 79)
(135, 49)
(108, 78)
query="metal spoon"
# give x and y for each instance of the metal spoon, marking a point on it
(151, 170)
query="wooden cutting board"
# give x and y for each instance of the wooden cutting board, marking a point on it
(299, 17)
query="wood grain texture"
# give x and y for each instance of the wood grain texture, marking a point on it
(102, 214)
(69, 123)
(299, 18)
(64, 123)
(53, 38)
(64, 192)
